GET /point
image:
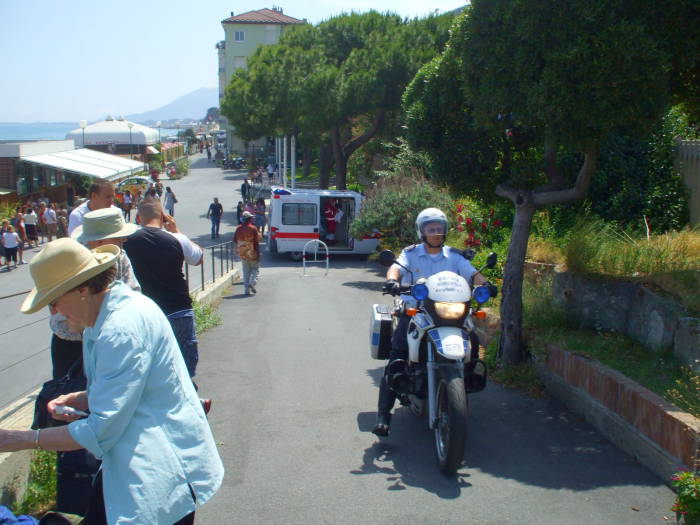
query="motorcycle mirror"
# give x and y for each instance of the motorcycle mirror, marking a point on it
(386, 258)
(469, 254)
(491, 260)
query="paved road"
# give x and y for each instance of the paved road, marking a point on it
(25, 360)
(294, 395)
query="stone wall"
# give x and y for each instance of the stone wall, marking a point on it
(631, 309)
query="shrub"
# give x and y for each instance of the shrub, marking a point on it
(687, 504)
(392, 205)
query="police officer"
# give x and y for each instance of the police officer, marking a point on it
(423, 260)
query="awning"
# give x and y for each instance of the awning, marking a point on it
(152, 150)
(6, 191)
(88, 162)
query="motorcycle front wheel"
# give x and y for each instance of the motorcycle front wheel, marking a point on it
(451, 425)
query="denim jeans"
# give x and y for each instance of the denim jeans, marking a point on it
(215, 221)
(250, 273)
(182, 324)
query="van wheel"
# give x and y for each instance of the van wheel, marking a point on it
(294, 256)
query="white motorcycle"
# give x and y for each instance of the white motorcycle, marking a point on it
(443, 354)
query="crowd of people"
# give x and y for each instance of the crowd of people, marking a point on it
(122, 316)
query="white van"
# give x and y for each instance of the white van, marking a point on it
(297, 216)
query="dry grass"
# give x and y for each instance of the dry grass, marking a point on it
(669, 262)
(544, 251)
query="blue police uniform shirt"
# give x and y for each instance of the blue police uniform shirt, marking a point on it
(423, 264)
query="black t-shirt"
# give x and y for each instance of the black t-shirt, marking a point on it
(216, 209)
(157, 257)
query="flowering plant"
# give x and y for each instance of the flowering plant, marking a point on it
(687, 504)
(480, 230)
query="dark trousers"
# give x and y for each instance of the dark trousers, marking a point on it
(215, 221)
(96, 514)
(399, 350)
(63, 354)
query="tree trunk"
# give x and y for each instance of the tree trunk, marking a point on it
(341, 161)
(306, 160)
(510, 349)
(324, 165)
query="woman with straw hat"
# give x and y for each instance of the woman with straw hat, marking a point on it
(144, 419)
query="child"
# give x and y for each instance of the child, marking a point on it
(10, 241)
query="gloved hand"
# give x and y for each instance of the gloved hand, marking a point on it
(391, 287)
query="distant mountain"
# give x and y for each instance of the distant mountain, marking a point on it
(193, 106)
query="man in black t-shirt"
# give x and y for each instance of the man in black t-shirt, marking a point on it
(214, 213)
(157, 256)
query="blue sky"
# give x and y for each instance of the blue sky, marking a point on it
(78, 59)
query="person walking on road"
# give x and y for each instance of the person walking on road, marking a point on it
(260, 220)
(246, 245)
(170, 201)
(30, 223)
(214, 213)
(239, 212)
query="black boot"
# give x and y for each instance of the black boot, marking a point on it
(381, 429)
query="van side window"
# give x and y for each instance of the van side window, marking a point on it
(299, 214)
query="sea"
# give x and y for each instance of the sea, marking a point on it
(16, 131)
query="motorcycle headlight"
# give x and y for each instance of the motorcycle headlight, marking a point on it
(450, 310)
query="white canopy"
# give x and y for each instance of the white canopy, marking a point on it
(112, 131)
(88, 162)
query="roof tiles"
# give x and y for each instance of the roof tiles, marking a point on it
(262, 16)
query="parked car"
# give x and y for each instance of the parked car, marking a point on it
(134, 183)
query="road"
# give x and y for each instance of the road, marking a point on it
(295, 394)
(25, 360)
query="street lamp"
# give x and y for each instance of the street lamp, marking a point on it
(131, 125)
(159, 124)
(83, 125)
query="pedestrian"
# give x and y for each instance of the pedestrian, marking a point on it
(330, 211)
(157, 256)
(127, 205)
(260, 220)
(21, 230)
(245, 190)
(30, 224)
(170, 201)
(62, 218)
(270, 172)
(159, 458)
(10, 241)
(239, 211)
(159, 188)
(208, 154)
(51, 220)
(214, 213)
(43, 228)
(246, 245)
(100, 195)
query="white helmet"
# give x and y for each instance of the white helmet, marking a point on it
(429, 215)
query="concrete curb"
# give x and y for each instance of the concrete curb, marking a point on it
(653, 431)
(14, 466)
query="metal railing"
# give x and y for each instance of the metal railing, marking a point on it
(216, 257)
(316, 245)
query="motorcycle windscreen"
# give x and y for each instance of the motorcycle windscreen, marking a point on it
(451, 342)
(448, 287)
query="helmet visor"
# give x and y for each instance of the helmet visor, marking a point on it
(434, 228)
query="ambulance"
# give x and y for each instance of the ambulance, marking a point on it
(297, 216)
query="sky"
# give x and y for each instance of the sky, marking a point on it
(64, 61)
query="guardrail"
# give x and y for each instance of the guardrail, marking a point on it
(216, 257)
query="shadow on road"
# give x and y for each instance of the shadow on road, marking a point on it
(532, 441)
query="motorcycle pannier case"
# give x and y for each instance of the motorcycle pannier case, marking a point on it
(380, 331)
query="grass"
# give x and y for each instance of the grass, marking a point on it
(669, 263)
(40, 496)
(205, 317)
(659, 372)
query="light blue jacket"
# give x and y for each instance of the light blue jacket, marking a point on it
(423, 264)
(146, 422)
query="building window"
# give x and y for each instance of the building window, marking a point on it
(239, 36)
(271, 34)
(239, 62)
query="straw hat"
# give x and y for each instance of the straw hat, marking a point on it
(106, 223)
(61, 266)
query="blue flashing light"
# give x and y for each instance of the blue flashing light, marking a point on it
(420, 292)
(482, 294)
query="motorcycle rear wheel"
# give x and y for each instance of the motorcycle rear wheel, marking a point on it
(451, 427)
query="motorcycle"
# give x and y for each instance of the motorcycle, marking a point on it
(443, 364)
